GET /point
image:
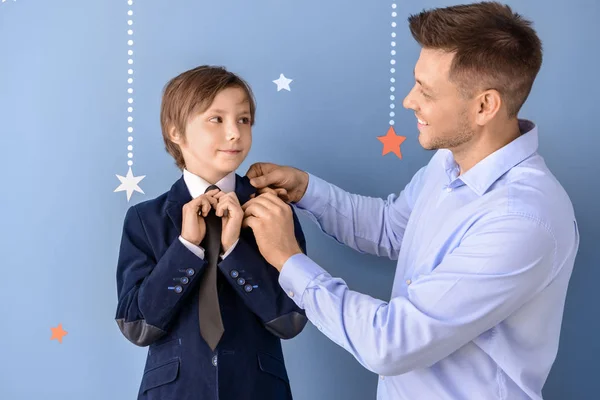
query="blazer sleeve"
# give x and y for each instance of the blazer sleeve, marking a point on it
(150, 292)
(257, 282)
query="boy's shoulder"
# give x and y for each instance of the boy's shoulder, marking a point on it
(157, 205)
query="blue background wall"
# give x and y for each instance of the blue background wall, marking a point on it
(63, 125)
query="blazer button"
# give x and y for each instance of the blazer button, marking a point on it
(214, 361)
(190, 272)
(241, 281)
(248, 288)
(178, 289)
(185, 280)
(234, 274)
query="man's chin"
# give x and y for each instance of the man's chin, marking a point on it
(426, 144)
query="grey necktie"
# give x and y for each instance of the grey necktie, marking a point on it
(211, 324)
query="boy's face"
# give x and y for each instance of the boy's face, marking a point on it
(218, 140)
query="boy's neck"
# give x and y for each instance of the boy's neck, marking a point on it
(211, 179)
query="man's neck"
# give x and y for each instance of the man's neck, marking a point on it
(485, 143)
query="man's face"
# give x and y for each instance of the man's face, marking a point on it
(443, 115)
(218, 140)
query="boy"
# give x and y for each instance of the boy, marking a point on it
(211, 311)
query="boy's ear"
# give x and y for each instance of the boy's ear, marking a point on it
(174, 135)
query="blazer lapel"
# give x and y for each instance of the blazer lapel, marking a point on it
(243, 188)
(177, 197)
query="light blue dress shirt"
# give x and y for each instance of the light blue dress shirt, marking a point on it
(484, 261)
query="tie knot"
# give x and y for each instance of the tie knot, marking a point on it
(211, 187)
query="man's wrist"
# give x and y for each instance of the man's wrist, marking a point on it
(284, 258)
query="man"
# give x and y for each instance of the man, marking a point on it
(484, 235)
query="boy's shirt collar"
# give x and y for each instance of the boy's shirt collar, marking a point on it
(197, 186)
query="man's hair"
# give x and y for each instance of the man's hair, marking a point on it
(192, 92)
(494, 48)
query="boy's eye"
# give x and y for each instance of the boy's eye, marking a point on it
(245, 120)
(216, 119)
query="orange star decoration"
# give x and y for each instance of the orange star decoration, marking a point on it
(391, 142)
(58, 333)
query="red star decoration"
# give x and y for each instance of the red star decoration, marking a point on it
(391, 142)
(58, 333)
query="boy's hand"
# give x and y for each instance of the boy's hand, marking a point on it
(230, 211)
(193, 227)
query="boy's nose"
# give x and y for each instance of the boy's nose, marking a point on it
(233, 132)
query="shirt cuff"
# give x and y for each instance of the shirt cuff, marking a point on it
(297, 273)
(197, 250)
(316, 197)
(228, 252)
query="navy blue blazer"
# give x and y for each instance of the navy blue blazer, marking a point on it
(157, 288)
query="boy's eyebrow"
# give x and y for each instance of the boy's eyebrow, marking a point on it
(216, 110)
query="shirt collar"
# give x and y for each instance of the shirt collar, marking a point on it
(197, 186)
(490, 169)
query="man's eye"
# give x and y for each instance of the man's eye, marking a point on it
(245, 120)
(216, 119)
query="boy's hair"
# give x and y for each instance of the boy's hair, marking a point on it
(494, 48)
(192, 92)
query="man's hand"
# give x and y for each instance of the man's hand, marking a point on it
(193, 226)
(289, 183)
(272, 222)
(230, 211)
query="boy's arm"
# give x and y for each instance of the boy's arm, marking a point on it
(257, 283)
(150, 292)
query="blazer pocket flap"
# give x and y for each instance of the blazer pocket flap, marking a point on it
(273, 366)
(160, 375)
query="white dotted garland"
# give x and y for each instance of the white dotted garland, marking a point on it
(393, 62)
(130, 84)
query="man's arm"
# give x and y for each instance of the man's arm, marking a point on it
(150, 292)
(500, 264)
(259, 288)
(366, 224)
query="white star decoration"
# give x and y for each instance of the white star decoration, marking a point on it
(129, 183)
(283, 83)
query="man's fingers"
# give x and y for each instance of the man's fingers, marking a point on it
(271, 178)
(258, 169)
(250, 222)
(256, 207)
(279, 192)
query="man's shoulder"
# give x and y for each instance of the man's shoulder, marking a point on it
(531, 190)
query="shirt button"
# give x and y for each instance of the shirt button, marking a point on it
(408, 281)
(291, 294)
(214, 361)
(448, 189)
(382, 377)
